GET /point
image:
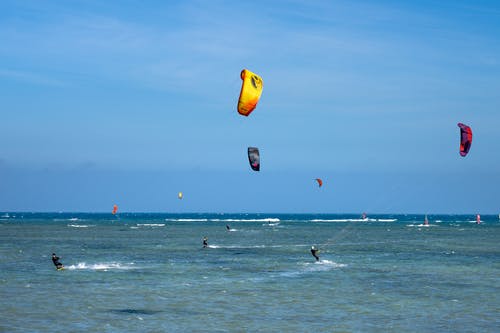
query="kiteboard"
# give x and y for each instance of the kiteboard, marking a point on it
(60, 268)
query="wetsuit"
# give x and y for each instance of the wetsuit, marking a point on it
(205, 242)
(314, 253)
(55, 260)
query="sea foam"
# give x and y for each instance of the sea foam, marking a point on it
(102, 266)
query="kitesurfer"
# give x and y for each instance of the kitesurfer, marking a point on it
(314, 252)
(228, 228)
(205, 242)
(55, 260)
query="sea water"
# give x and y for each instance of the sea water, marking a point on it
(150, 273)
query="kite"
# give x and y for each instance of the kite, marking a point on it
(251, 89)
(320, 182)
(465, 139)
(254, 158)
(180, 195)
(115, 209)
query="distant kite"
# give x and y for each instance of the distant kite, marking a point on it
(115, 209)
(320, 182)
(251, 89)
(180, 195)
(254, 158)
(465, 139)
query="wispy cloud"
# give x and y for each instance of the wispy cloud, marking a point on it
(31, 77)
(205, 44)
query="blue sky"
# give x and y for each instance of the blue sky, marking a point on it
(131, 102)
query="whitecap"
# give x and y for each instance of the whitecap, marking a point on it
(346, 220)
(268, 219)
(102, 266)
(186, 220)
(421, 225)
(328, 263)
(151, 224)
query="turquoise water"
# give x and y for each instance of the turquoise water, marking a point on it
(150, 273)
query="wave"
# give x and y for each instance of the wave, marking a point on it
(80, 226)
(350, 220)
(312, 267)
(329, 263)
(322, 265)
(186, 220)
(421, 225)
(261, 246)
(72, 219)
(271, 224)
(353, 220)
(269, 219)
(102, 266)
(150, 224)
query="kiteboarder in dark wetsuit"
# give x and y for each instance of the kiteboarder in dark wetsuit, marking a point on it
(228, 228)
(55, 260)
(314, 252)
(205, 242)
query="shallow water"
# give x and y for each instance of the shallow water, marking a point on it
(149, 273)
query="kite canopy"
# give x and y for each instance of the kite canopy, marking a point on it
(180, 195)
(251, 89)
(320, 182)
(254, 158)
(115, 209)
(465, 139)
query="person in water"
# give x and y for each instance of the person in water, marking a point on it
(55, 260)
(228, 228)
(314, 252)
(205, 242)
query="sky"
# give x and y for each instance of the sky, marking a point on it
(130, 102)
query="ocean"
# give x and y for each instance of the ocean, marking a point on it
(150, 273)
